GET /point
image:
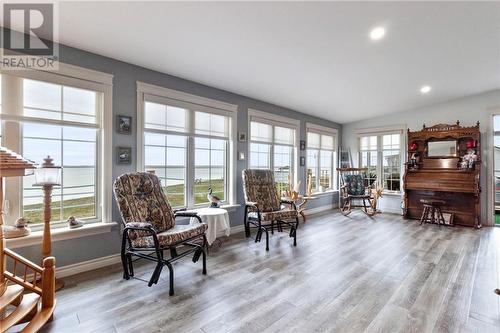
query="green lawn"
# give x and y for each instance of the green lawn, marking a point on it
(175, 195)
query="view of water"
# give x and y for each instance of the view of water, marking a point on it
(77, 181)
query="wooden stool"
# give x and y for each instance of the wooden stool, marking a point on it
(432, 207)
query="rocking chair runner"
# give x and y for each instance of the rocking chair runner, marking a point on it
(353, 188)
(150, 227)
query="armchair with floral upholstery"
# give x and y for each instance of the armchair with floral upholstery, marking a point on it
(150, 226)
(264, 208)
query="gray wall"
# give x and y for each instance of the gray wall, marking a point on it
(124, 103)
(467, 110)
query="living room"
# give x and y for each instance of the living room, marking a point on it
(250, 166)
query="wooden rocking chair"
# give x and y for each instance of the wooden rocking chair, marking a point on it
(353, 190)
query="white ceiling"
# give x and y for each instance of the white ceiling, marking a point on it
(311, 57)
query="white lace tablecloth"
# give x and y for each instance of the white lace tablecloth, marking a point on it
(217, 220)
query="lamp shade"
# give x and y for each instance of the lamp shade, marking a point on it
(47, 174)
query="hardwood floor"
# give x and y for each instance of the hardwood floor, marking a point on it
(347, 274)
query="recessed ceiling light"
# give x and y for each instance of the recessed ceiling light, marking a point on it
(377, 33)
(425, 89)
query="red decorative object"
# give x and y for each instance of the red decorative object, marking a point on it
(413, 146)
(471, 144)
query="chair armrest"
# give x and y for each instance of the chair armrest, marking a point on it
(188, 214)
(139, 229)
(289, 202)
(251, 204)
(180, 210)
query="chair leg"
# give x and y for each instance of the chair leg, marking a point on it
(425, 215)
(433, 212)
(197, 255)
(156, 274)
(124, 258)
(258, 236)
(246, 224)
(130, 265)
(267, 239)
(171, 279)
(159, 266)
(173, 252)
(204, 254)
(295, 232)
(272, 227)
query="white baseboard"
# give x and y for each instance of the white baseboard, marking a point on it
(237, 229)
(88, 265)
(321, 209)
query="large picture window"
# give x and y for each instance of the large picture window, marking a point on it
(272, 146)
(187, 147)
(60, 117)
(381, 154)
(73, 148)
(321, 158)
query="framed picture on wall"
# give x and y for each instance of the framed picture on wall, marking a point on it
(124, 155)
(302, 145)
(124, 125)
(242, 136)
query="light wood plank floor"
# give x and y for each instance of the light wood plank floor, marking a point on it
(347, 274)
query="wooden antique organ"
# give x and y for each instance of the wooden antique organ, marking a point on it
(437, 169)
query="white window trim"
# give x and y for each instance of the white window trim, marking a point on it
(203, 104)
(380, 131)
(275, 120)
(93, 80)
(311, 127)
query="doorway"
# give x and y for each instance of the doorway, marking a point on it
(496, 168)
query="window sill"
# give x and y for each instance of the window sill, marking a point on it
(58, 234)
(230, 207)
(321, 194)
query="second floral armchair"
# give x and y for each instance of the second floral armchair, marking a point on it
(264, 208)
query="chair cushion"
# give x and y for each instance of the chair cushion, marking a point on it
(259, 187)
(283, 215)
(175, 235)
(355, 184)
(140, 198)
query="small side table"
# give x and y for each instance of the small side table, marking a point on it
(217, 220)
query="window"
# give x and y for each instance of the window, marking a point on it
(187, 145)
(369, 157)
(381, 154)
(272, 146)
(60, 117)
(321, 157)
(165, 150)
(73, 148)
(391, 154)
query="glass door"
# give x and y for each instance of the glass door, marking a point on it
(496, 167)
